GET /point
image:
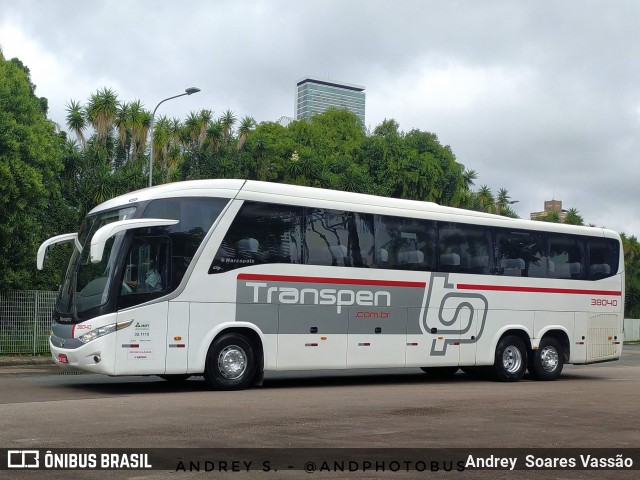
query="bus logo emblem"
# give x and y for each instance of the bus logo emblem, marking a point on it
(454, 318)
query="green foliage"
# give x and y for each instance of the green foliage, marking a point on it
(553, 217)
(30, 163)
(483, 199)
(573, 217)
(631, 249)
(48, 183)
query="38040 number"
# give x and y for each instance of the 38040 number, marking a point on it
(604, 302)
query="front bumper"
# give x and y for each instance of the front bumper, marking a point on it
(95, 357)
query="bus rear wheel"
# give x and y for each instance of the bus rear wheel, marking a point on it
(547, 361)
(510, 360)
(231, 363)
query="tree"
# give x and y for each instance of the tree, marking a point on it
(204, 119)
(631, 250)
(573, 217)
(102, 109)
(228, 120)
(246, 126)
(30, 165)
(138, 122)
(484, 199)
(552, 216)
(468, 177)
(77, 121)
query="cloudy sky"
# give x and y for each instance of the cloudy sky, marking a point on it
(542, 98)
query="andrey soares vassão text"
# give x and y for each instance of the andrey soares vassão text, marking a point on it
(533, 461)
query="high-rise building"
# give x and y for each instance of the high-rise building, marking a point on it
(315, 96)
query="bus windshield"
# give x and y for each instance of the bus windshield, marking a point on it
(85, 284)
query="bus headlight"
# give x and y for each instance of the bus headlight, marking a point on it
(98, 332)
(102, 331)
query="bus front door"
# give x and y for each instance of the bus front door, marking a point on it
(141, 347)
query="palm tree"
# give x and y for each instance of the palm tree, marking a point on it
(215, 135)
(351, 179)
(228, 119)
(161, 139)
(204, 118)
(573, 217)
(174, 128)
(121, 124)
(189, 134)
(77, 121)
(246, 126)
(468, 176)
(553, 217)
(174, 150)
(192, 128)
(102, 110)
(139, 121)
(484, 199)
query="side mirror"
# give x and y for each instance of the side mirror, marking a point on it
(100, 238)
(42, 251)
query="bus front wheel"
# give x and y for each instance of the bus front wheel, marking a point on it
(510, 360)
(548, 360)
(231, 363)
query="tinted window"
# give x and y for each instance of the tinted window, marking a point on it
(566, 256)
(405, 243)
(260, 233)
(195, 217)
(147, 270)
(338, 238)
(465, 248)
(520, 253)
(270, 233)
(604, 254)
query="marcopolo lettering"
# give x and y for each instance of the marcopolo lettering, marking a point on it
(266, 293)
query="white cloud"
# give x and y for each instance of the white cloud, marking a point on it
(541, 98)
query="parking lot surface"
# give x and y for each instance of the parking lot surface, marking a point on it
(591, 406)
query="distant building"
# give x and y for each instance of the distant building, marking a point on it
(315, 96)
(550, 206)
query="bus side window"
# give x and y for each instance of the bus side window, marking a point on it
(521, 253)
(338, 238)
(568, 256)
(603, 255)
(405, 243)
(260, 233)
(471, 244)
(147, 273)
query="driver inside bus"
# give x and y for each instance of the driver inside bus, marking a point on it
(152, 279)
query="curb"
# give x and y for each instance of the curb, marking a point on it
(12, 361)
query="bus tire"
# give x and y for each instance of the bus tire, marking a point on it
(231, 362)
(548, 360)
(440, 372)
(510, 360)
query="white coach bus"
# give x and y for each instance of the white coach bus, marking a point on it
(231, 278)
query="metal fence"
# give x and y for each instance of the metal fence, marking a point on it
(25, 321)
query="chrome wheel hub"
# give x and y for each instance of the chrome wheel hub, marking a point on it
(511, 359)
(549, 359)
(232, 362)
